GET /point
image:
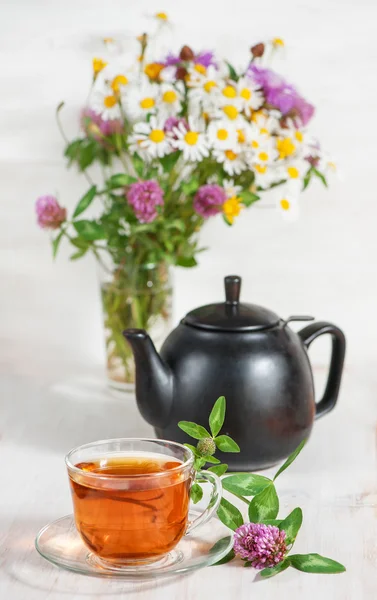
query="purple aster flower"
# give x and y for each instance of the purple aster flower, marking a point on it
(262, 545)
(50, 215)
(209, 199)
(144, 196)
(205, 58)
(94, 126)
(282, 95)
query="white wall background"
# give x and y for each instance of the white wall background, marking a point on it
(325, 264)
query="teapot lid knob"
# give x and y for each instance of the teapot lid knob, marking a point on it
(232, 289)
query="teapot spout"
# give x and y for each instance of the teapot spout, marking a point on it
(154, 379)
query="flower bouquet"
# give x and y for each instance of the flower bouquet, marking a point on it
(179, 139)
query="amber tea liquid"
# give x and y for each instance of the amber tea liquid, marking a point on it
(134, 518)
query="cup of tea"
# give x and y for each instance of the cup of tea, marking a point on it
(131, 498)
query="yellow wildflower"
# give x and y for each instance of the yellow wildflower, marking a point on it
(232, 208)
(285, 147)
(162, 16)
(278, 42)
(98, 65)
(153, 70)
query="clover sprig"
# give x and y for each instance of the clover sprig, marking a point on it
(256, 491)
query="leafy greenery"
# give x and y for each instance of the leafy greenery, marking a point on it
(263, 507)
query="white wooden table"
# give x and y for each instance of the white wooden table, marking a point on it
(334, 481)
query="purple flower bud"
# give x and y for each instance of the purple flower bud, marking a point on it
(50, 215)
(209, 199)
(94, 126)
(263, 545)
(144, 196)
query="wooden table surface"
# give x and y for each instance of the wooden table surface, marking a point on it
(333, 480)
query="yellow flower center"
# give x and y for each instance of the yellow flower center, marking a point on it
(109, 101)
(230, 155)
(146, 103)
(299, 136)
(209, 85)
(230, 111)
(256, 115)
(245, 94)
(108, 40)
(232, 208)
(263, 156)
(200, 69)
(162, 16)
(222, 134)
(169, 97)
(229, 92)
(191, 138)
(293, 172)
(278, 42)
(205, 116)
(157, 136)
(263, 131)
(261, 169)
(254, 144)
(118, 81)
(98, 65)
(153, 70)
(285, 204)
(241, 138)
(285, 147)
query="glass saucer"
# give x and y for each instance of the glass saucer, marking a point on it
(59, 543)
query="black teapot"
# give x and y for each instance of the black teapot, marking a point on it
(247, 354)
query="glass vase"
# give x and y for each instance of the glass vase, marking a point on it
(138, 297)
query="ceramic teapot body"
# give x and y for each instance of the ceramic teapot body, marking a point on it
(262, 368)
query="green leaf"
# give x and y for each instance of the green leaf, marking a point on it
(55, 243)
(315, 563)
(138, 164)
(229, 515)
(219, 469)
(226, 444)
(320, 176)
(120, 180)
(89, 230)
(78, 254)
(291, 525)
(189, 187)
(274, 522)
(192, 448)
(212, 459)
(72, 150)
(59, 107)
(232, 72)
(248, 198)
(279, 568)
(245, 484)
(169, 161)
(188, 261)
(264, 505)
(307, 178)
(176, 224)
(217, 416)
(226, 220)
(85, 201)
(193, 430)
(86, 154)
(196, 493)
(290, 459)
(79, 243)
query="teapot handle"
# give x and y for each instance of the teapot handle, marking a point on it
(308, 335)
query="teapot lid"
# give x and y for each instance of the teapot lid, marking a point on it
(232, 315)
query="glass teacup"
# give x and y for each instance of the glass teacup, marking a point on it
(131, 498)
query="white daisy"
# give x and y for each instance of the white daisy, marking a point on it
(294, 170)
(267, 123)
(193, 143)
(231, 189)
(222, 134)
(204, 88)
(150, 138)
(265, 175)
(140, 100)
(233, 162)
(170, 99)
(232, 113)
(264, 154)
(249, 97)
(105, 103)
(287, 204)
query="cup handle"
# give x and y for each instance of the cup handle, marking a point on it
(214, 502)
